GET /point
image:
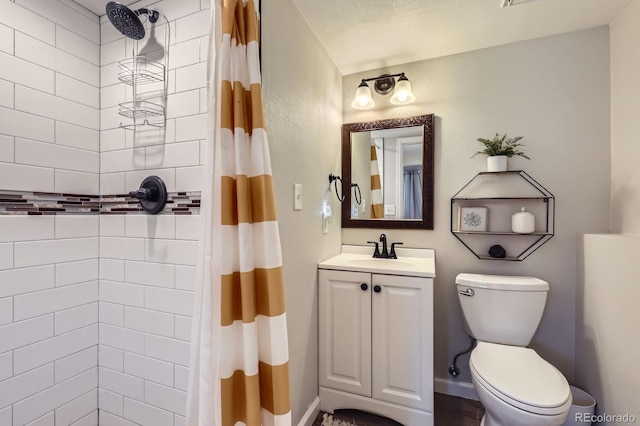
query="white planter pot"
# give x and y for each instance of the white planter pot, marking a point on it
(497, 163)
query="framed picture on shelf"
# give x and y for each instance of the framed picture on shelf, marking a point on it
(472, 219)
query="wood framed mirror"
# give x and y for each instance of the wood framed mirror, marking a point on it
(387, 173)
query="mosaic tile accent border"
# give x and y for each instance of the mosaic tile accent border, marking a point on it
(45, 203)
(177, 203)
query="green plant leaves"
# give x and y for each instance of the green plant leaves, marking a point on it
(501, 145)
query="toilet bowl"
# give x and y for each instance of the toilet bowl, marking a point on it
(517, 387)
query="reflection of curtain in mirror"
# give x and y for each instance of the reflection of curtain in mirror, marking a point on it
(412, 192)
(377, 210)
(379, 143)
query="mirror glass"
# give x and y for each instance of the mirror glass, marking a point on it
(388, 167)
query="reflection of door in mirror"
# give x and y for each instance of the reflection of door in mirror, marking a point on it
(410, 186)
(402, 148)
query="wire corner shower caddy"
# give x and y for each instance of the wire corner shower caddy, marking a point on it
(146, 70)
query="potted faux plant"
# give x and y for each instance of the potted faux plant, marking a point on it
(499, 149)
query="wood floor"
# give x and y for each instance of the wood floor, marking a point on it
(449, 411)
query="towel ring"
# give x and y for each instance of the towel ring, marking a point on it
(333, 179)
(357, 193)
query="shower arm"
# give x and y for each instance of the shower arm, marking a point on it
(152, 14)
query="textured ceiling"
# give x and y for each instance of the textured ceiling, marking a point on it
(366, 34)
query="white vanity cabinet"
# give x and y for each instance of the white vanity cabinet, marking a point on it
(345, 331)
(376, 343)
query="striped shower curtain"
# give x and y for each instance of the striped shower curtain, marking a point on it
(377, 209)
(239, 373)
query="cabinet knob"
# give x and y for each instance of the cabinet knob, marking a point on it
(364, 287)
(377, 288)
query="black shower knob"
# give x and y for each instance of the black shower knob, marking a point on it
(152, 194)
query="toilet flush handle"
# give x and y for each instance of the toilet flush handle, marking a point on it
(468, 292)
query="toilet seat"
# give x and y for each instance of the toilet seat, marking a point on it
(521, 378)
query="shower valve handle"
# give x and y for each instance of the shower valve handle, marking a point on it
(152, 194)
(144, 194)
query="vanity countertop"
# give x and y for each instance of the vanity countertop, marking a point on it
(410, 262)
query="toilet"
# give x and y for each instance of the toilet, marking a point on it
(515, 385)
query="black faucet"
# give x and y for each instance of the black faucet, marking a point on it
(385, 253)
(383, 240)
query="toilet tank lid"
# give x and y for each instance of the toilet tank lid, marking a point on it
(502, 282)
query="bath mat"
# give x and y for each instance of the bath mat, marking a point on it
(328, 420)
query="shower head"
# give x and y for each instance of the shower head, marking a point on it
(126, 20)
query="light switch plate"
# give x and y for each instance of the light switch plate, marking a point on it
(297, 196)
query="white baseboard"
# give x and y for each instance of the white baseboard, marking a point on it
(455, 388)
(311, 413)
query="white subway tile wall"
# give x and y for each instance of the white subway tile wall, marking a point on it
(147, 263)
(147, 275)
(95, 311)
(49, 142)
(49, 79)
(49, 321)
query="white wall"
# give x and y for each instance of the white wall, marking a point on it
(553, 91)
(302, 96)
(49, 142)
(606, 316)
(625, 102)
(147, 263)
(607, 323)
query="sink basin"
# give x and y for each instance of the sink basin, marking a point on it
(410, 262)
(372, 262)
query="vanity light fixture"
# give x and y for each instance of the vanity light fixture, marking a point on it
(363, 97)
(383, 85)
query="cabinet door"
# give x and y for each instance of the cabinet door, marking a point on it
(345, 331)
(403, 340)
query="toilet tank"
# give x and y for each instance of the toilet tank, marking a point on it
(502, 309)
